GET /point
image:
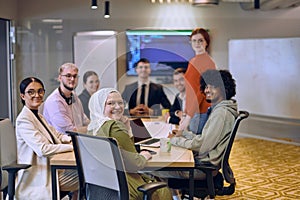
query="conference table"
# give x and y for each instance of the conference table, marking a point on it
(178, 159)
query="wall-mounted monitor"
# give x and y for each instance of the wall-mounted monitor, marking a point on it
(165, 49)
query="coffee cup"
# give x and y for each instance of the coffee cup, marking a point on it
(165, 145)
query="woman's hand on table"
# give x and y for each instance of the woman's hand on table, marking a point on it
(66, 140)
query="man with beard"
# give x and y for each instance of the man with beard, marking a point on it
(219, 87)
(63, 108)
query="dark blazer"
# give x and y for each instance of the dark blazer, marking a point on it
(177, 105)
(156, 97)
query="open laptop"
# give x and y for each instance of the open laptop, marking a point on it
(141, 135)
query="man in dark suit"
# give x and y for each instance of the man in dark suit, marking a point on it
(145, 98)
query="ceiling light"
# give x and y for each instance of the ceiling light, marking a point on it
(52, 20)
(57, 26)
(106, 11)
(205, 2)
(96, 33)
(94, 4)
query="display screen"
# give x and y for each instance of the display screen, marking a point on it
(165, 49)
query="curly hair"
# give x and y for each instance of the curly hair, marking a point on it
(221, 79)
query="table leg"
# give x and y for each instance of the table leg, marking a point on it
(54, 185)
(191, 184)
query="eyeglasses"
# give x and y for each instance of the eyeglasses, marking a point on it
(69, 76)
(32, 92)
(198, 41)
(114, 103)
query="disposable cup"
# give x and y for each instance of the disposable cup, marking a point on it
(165, 145)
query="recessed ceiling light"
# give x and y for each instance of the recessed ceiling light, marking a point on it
(205, 2)
(57, 26)
(52, 20)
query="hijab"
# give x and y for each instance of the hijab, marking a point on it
(96, 107)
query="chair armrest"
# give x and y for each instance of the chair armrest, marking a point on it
(15, 167)
(149, 188)
(12, 169)
(206, 166)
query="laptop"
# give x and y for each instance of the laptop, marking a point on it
(141, 135)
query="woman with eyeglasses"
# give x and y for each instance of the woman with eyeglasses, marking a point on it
(107, 120)
(37, 141)
(195, 113)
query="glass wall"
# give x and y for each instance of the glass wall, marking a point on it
(5, 69)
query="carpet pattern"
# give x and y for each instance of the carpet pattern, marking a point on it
(265, 170)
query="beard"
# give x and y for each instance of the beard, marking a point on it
(68, 88)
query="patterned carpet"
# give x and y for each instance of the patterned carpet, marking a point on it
(265, 170)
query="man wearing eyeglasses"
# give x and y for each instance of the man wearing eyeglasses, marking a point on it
(63, 108)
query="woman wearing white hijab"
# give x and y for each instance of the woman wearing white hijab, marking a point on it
(107, 119)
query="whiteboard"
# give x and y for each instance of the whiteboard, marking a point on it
(96, 51)
(267, 72)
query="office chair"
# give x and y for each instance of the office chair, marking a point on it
(101, 171)
(213, 185)
(8, 159)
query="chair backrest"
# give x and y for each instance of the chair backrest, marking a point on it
(99, 163)
(226, 170)
(8, 149)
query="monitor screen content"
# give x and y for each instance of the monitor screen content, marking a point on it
(165, 49)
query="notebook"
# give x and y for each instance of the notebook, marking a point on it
(141, 135)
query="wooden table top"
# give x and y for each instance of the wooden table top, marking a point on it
(178, 157)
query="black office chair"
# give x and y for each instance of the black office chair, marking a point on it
(8, 159)
(101, 170)
(214, 185)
